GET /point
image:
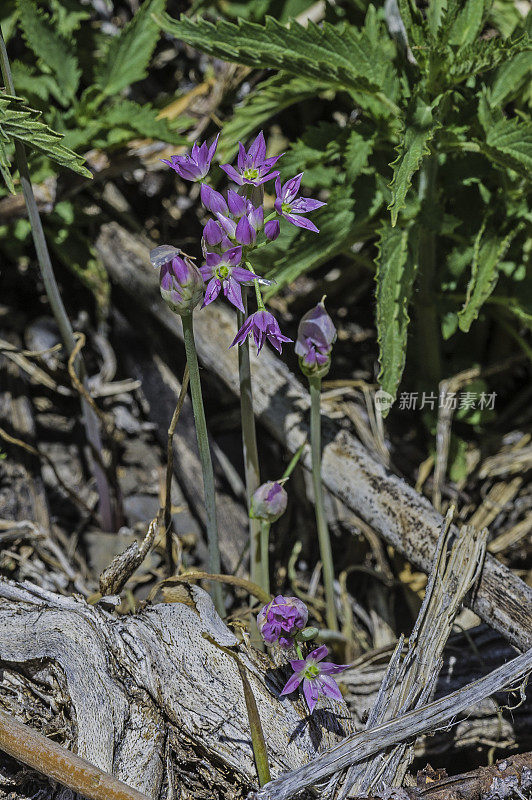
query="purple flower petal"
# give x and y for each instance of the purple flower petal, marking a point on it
(257, 150)
(319, 653)
(329, 688)
(206, 272)
(305, 204)
(272, 229)
(328, 668)
(212, 149)
(241, 161)
(214, 288)
(233, 256)
(241, 274)
(212, 233)
(292, 684)
(301, 222)
(311, 692)
(232, 174)
(213, 259)
(245, 234)
(233, 293)
(291, 188)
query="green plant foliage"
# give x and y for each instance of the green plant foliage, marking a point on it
(396, 268)
(337, 56)
(414, 145)
(26, 126)
(51, 47)
(127, 55)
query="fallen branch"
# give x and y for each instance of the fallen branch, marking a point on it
(49, 758)
(394, 509)
(360, 746)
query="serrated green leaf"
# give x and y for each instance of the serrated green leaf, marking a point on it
(509, 143)
(317, 154)
(128, 54)
(22, 123)
(435, 15)
(416, 29)
(484, 274)
(308, 250)
(68, 15)
(50, 47)
(272, 96)
(420, 129)
(332, 55)
(468, 23)
(140, 119)
(482, 56)
(5, 164)
(29, 83)
(357, 152)
(396, 270)
(510, 77)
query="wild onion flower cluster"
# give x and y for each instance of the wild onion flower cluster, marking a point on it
(238, 226)
(282, 622)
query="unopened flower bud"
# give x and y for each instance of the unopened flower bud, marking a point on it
(181, 285)
(212, 233)
(280, 620)
(213, 200)
(272, 229)
(268, 502)
(315, 337)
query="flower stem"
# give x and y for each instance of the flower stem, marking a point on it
(429, 359)
(170, 472)
(321, 523)
(264, 554)
(258, 295)
(205, 458)
(108, 517)
(249, 444)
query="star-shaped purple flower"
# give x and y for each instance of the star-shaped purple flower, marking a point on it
(223, 272)
(195, 165)
(290, 206)
(261, 325)
(315, 675)
(252, 166)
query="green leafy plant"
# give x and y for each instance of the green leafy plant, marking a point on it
(72, 78)
(424, 147)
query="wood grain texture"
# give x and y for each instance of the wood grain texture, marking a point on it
(394, 509)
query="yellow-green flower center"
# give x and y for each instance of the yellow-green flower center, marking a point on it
(223, 272)
(251, 174)
(311, 671)
(286, 208)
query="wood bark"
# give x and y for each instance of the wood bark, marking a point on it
(394, 509)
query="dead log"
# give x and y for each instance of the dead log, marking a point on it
(394, 509)
(146, 695)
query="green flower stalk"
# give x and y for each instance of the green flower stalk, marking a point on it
(182, 289)
(316, 335)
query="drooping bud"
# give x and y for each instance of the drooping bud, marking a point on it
(272, 229)
(315, 337)
(280, 620)
(181, 285)
(268, 502)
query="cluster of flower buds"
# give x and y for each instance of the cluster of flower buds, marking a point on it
(315, 337)
(237, 226)
(282, 622)
(268, 502)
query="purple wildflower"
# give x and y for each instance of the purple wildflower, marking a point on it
(269, 501)
(253, 166)
(261, 325)
(194, 166)
(280, 620)
(290, 206)
(212, 234)
(315, 337)
(223, 272)
(316, 677)
(181, 285)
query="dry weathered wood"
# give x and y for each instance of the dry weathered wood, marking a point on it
(509, 778)
(393, 508)
(360, 746)
(411, 683)
(133, 681)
